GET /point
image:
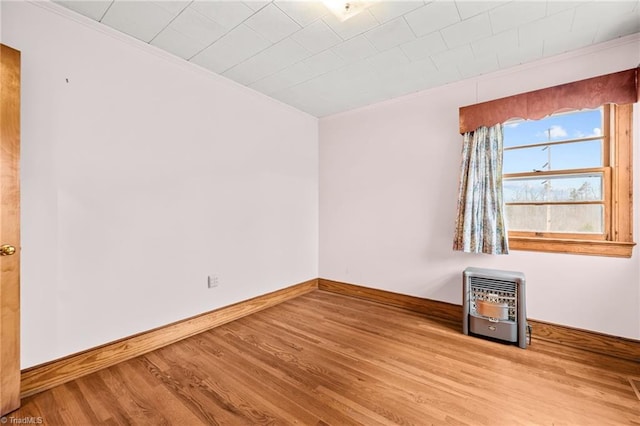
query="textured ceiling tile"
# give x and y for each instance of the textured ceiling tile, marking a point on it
(630, 24)
(197, 26)
(413, 72)
(432, 17)
(317, 37)
(479, 66)
(352, 100)
(272, 23)
(401, 84)
(388, 59)
(593, 14)
(320, 86)
(247, 75)
(551, 26)
(267, 62)
(569, 41)
(443, 76)
(256, 5)
(386, 11)
(352, 27)
(303, 12)
(376, 61)
(356, 97)
(556, 6)
(525, 52)
(390, 34)
(92, 9)
(466, 31)
(425, 66)
(424, 46)
(469, 8)
(138, 19)
(358, 84)
(355, 69)
(507, 40)
(288, 77)
(324, 62)
(345, 82)
(516, 13)
(332, 86)
(455, 56)
(233, 48)
(172, 6)
(355, 49)
(309, 89)
(351, 91)
(177, 43)
(226, 13)
(286, 52)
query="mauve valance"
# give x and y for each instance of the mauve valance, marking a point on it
(617, 88)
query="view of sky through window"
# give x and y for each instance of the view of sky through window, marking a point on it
(532, 155)
(581, 124)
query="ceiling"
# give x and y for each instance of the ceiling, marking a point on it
(300, 53)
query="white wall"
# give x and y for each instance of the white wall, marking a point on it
(142, 175)
(388, 188)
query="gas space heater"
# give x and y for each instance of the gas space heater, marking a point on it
(493, 305)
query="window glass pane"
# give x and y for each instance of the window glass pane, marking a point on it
(576, 155)
(573, 125)
(577, 218)
(586, 187)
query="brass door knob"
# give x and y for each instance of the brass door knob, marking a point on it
(7, 250)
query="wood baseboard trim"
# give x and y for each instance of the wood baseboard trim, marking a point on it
(591, 341)
(431, 308)
(45, 376)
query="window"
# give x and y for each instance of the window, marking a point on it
(567, 182)
(562, 195)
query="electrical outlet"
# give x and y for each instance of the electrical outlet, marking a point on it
(213, 281)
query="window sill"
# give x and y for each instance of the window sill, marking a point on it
(556, 245)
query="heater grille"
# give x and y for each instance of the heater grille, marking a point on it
(494, 292)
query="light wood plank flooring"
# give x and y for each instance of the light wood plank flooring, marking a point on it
(325, 359)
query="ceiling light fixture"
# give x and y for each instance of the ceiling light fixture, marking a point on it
(346, 9)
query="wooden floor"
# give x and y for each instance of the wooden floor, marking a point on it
(324, 359)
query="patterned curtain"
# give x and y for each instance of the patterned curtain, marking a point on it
(480, 223)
